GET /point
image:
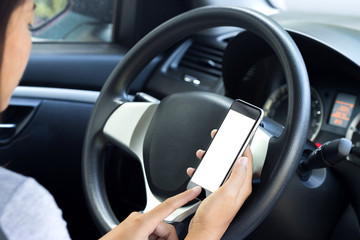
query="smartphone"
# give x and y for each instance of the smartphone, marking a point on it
(230, 142)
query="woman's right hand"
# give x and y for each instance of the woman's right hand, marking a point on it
(216, 212)
(151, 225)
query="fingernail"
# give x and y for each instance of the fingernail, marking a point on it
(197, 188)
(244, 160)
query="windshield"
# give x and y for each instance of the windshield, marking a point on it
(343, 7)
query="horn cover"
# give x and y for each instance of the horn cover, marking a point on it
(181, 125)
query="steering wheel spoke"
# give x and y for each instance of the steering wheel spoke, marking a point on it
(127, 125)
(259, 148)
(126, 128)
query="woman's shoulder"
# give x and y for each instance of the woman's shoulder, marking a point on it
(16, 188)
(27, 207)
(9, 183)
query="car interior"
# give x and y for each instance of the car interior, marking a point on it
(119, 94)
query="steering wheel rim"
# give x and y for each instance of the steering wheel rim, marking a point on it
(115, 92)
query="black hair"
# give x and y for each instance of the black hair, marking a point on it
(7, 7)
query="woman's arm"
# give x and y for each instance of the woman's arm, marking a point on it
(29, 211)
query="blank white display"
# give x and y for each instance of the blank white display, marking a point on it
(223, 151)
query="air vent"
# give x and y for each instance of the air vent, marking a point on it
(203, 59)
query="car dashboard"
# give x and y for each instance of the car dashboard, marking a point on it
(196, 64)
(238, 64)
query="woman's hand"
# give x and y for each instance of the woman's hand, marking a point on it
(150, 225)
(212, 218)
(216, 212)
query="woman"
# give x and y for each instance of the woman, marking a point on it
(28, 211)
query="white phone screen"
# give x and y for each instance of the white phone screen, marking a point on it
(223, 150)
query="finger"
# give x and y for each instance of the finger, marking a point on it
(200, 154)
(152, 237)
(248, 153)
(190, 171)
(213, 132)
(191, 223)
(163, 210)
(164, 231)
(238, 175)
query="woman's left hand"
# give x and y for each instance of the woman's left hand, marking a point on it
(151, 225)
(216, 212)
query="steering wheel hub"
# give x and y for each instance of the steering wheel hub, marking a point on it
(180, 126)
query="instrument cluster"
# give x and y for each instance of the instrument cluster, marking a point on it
(338, 116)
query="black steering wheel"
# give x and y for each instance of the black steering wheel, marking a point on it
(165, 135)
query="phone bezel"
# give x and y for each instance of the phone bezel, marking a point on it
(248, 110)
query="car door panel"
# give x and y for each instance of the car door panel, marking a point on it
(49, 149)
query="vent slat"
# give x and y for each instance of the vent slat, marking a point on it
(203, 48)
(191, 65)
(204, 55)
(204, 59)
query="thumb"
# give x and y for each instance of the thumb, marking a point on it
(238, 176)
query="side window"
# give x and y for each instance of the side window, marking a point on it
(73, 20)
